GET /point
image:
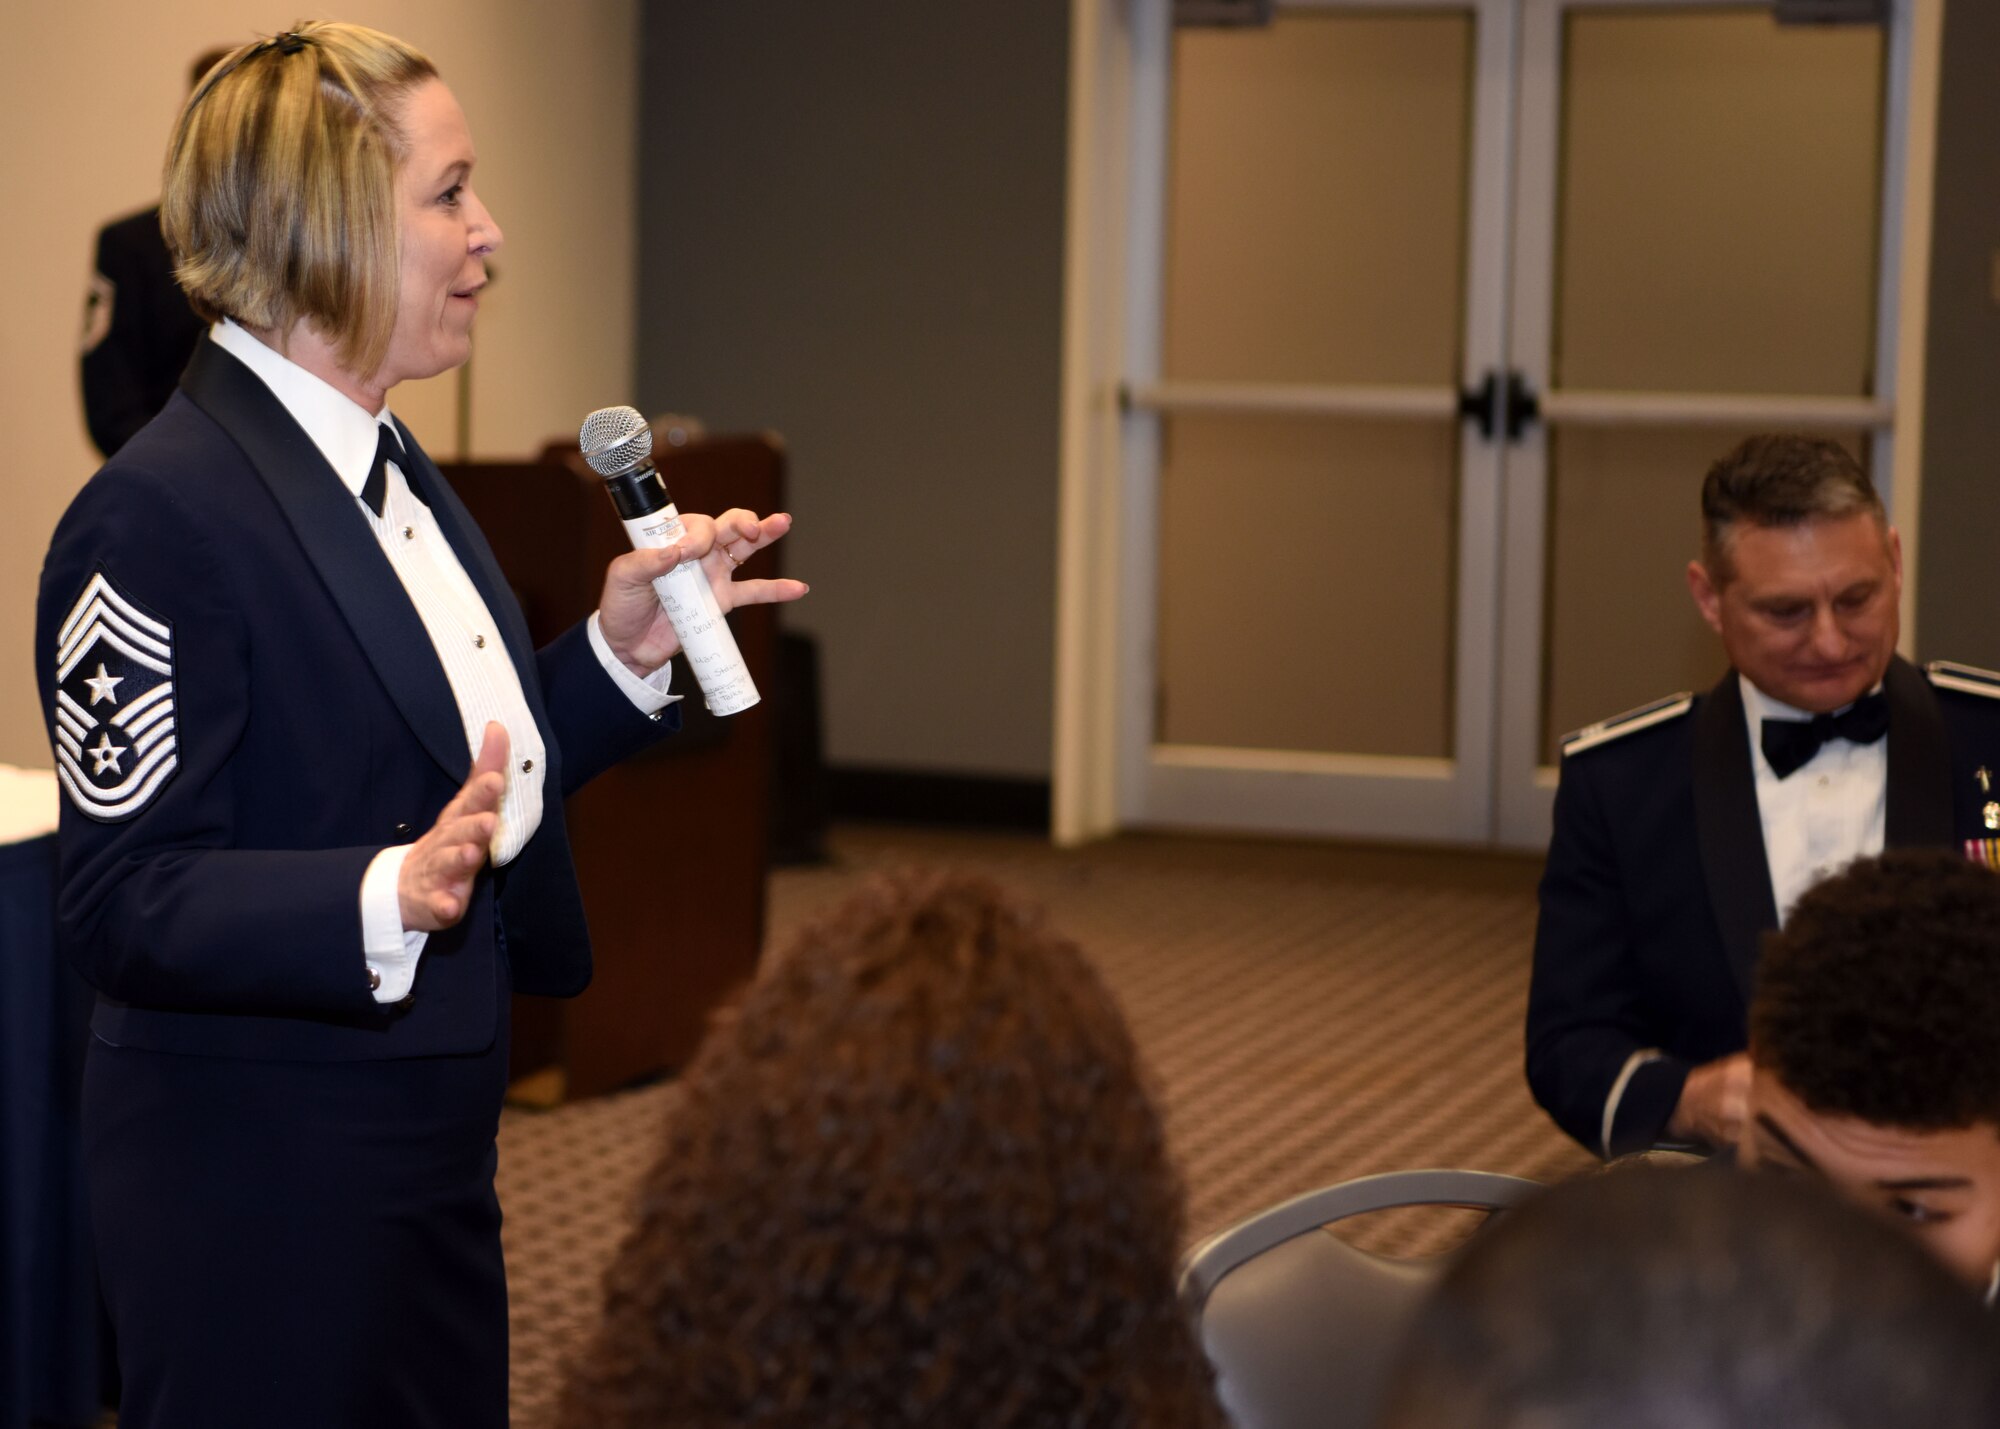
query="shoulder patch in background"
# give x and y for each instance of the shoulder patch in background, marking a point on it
(1630, 722)
(1949, 675)
(114, 712)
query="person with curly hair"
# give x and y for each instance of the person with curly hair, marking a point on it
(1874, 1051)
(914, 1177)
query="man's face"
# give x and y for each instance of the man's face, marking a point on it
(1943, 1185)
(1808, 612)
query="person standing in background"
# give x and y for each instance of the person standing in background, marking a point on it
(138, 327)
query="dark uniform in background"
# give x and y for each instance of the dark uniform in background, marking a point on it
(138, 331)
(1658, 890)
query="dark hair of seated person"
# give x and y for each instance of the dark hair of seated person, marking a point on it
(915, 1177)
(1656, 1298)
(1880, 998)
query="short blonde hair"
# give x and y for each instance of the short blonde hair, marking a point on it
(280, 197)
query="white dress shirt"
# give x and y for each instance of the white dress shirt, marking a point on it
(1831, 810)
(483, 679)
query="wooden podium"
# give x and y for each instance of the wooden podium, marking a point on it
(671, 847)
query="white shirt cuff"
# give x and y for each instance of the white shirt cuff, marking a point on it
(1644, 1057)
(390, 953)
(649, 695)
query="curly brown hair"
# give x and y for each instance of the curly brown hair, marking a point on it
(1880, 997)
(915, 1177)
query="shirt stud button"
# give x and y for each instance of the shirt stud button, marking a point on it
(409, 533)
(479, 642)
(527, 766)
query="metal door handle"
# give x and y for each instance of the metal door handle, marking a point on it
(1510, 406)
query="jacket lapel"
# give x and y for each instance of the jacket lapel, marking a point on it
(340, 546)
(1919, 796)
(1730, 831)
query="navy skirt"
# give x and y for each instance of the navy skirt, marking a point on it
(302, 1244)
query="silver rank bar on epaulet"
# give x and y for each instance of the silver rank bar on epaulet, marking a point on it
(1630, 722)
(1950, 675)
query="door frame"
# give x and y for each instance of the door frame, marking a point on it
(1109, 772)
(1107, 513)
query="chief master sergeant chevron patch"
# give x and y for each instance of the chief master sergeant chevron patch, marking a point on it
(114, 710)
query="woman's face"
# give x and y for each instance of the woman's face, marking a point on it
(446, 235)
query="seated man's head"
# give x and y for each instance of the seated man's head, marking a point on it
(1800, 573)
(915, 1177)
(1694, 1299)
(1875, 1039)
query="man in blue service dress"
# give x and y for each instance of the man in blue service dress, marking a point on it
(1685, 829)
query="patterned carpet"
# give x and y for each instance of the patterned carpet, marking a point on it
(1311, 1013)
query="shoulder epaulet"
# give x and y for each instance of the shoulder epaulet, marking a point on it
(1630, 722)
(1949, 675)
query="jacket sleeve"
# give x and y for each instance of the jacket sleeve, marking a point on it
(1588, 1061)
(596, 725)
(159, 903)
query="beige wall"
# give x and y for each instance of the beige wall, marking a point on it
(87, 91)
(852, 218)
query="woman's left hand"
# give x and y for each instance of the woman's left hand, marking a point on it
(629, 614)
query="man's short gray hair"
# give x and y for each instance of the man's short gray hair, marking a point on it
(1779, 481)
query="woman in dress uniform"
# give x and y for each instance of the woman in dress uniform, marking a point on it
(312, 836)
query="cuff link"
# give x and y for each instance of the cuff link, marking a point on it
(374, 980)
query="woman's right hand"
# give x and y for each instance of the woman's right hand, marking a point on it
(435, 886)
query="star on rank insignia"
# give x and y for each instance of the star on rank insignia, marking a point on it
(114, 712)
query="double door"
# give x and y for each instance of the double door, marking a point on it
(1435, 313)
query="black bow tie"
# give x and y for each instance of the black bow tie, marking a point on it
(388, 448)
(1789, 743)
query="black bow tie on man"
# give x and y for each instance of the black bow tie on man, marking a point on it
(1789, 743)
(388, 448)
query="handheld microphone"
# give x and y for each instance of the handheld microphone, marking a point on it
(619, 447)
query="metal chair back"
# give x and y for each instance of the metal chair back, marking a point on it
(1303, 1328)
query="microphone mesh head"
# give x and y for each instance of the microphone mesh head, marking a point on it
(614, 440)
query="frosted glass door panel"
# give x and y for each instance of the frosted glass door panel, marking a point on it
(1718, 218)
(1719, 191)
(1625, 514)
(1316, 200)
(1316, 234)
(1306, 584)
